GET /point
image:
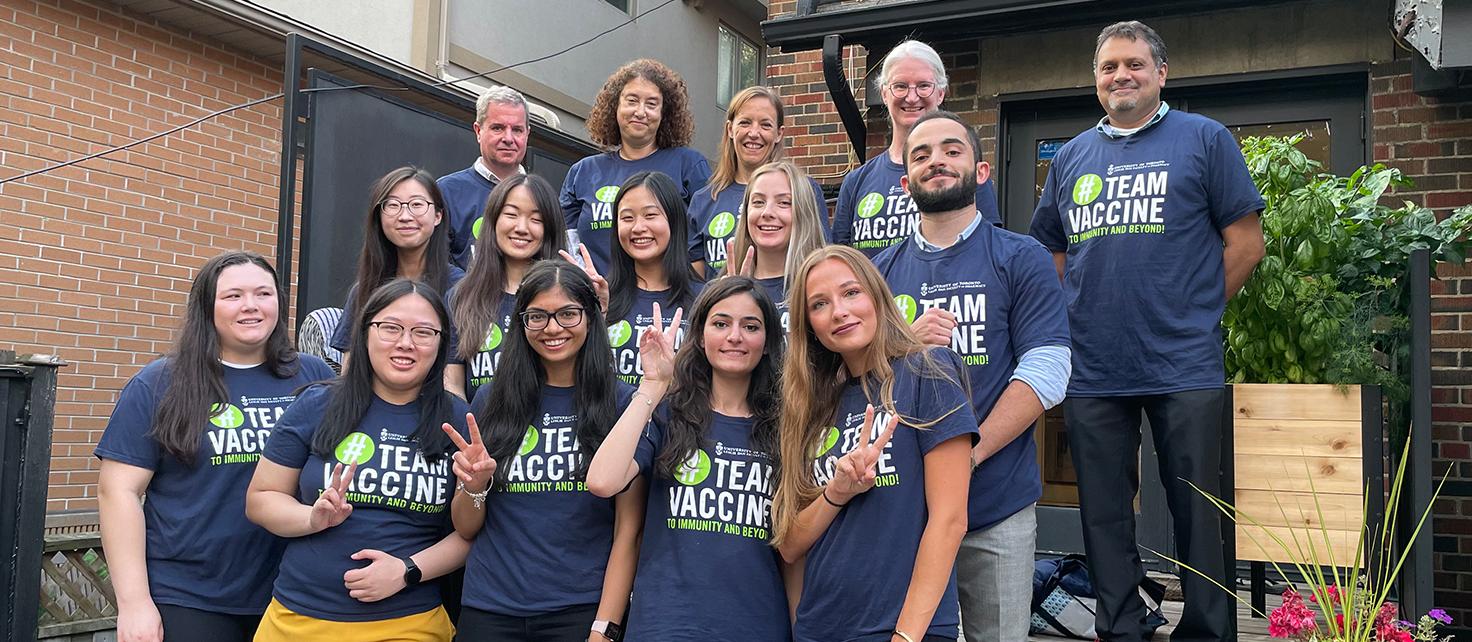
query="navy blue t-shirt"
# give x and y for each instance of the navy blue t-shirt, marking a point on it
(481, 368)
(202, 552)
(705, 569)
(401, 506)
(625, 334)
(713, 223)
(776, 288)
(465, 193)
(1141, 218)
(874, 212)
(592, 185)
(342, 335)
(1004, 291)
(545, 543)
(859, 570)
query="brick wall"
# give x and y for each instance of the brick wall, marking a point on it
(1430, 139)
(96, 259)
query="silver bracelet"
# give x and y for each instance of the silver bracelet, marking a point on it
(648, 403)
(478, 500)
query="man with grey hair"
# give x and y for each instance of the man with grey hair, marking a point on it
(501, 130)
(1152, 219)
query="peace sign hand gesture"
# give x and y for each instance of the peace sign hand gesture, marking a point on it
(471, 463)
(600, 284)
(855, 472)
(657, 347)
(332, 506)
(747, 267)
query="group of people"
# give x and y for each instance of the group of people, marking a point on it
(673, 404)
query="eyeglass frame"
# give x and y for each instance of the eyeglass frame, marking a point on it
(383, 206)
(552, 316)
(901, 90)
(379, 326)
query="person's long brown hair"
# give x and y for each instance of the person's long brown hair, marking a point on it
(807, 221)
(727, 166)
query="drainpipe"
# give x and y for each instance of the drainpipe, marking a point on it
(843, 98)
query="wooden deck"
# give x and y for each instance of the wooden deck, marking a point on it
(1249, 629)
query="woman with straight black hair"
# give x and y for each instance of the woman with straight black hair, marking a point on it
(403, 236)
(715, 444)
(357, 478)
(521, 225)
(185, 433)
(550, 562)
(649, 265)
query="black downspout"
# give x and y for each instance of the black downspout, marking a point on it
(286, 200)
(843, 98)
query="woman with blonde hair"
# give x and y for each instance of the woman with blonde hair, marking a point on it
(780, 226)
(753, 138)
(875, 440)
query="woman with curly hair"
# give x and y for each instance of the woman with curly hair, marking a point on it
(642, 115)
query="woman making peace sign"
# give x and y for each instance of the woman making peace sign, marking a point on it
(875, 499)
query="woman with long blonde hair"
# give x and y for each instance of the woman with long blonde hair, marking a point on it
(780, 225)
(875, 440)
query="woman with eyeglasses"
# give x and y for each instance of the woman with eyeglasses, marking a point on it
(521, 225)
(402, 237)
(709, 461)
(186, 433)
(357, 478)
(642, 116)
(550, 561)
(650, 265)
(873, 210)
(753, 138)
(780, 226)
(875, 461)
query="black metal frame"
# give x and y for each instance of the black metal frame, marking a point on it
(843, 98)
(27, 401)
(1417, 593)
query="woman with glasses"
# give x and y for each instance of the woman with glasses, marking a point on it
(650, 266)
(551, 561)
(357, 478)
(753, 139)
(642, 115)
(873, 210)
(402, 237)
(521, 225)
(185, 433)
(709, 461)
(876, 434)
(780, 226)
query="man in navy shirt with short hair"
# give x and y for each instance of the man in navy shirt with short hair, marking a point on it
(501, 131)
(1152, 219)
(992, 296)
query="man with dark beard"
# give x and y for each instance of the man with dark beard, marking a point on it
(993, 297)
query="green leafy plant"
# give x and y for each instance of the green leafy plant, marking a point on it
(1329, 302)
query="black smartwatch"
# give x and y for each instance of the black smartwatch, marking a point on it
(412, 574)
(610, 630)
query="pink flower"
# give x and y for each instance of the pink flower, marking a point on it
(1292, 619)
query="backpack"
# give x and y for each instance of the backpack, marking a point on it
(1063, 599)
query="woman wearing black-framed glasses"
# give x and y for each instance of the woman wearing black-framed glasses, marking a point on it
(548, 557)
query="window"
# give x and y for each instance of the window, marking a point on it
(738, 65)
(621, 5)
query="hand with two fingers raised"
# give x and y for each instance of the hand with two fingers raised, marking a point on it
(855, 472)
(600, 284)
(471, 463)
(380, 579)
(657, 347)
(332, 506)
(747, 265)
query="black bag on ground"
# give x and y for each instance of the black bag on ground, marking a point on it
(1063, 599)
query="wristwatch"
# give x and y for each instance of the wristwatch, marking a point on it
(610, 630)
(412, 574)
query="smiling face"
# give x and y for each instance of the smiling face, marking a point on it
(519, 226)
(639, 112)
(502, 137)
(841, 313)
(400, 366)
(768, 212)
(941, 171)
(754, 132)
(406, 230)
(246, 310)
(643, 229)
(555, 344)
(734, 336)
(1127, 80)
(905, 110)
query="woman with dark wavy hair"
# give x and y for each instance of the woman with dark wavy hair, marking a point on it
(186, 432)
(521, 225)
(714, 445)
(642, 115)
(550, 562)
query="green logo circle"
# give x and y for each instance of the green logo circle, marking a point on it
(529, 441)
(606, 194)
(1087, 188)
(356, 448)
(695, 469)
(722, 225)
(620, 333)
(871, 205)
(908, 309)
(227, 417)
(475, 228)
(493, 339)
(830, 439)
